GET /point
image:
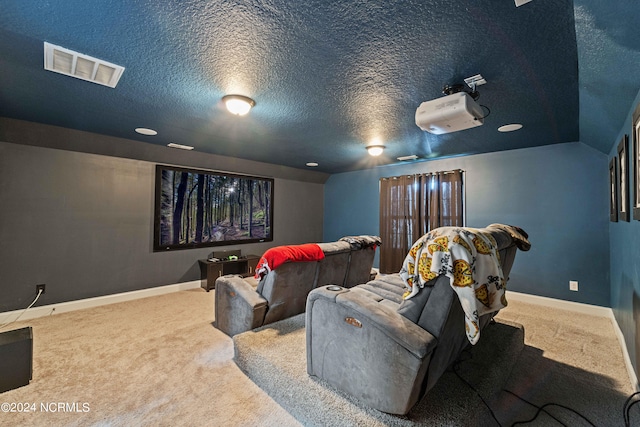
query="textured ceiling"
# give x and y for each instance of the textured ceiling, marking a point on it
(328, 77)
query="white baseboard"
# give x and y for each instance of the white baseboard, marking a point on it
(593, 310)
(63, 307)
(627, 360)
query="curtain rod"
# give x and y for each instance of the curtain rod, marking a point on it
(444, 173)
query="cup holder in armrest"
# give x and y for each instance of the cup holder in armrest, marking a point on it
(334, 288)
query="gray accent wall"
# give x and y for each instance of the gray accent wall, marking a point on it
(557, 193)
(82, 223)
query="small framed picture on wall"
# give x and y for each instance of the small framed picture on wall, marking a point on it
(623, 179)
(613, 188)
(635, 157)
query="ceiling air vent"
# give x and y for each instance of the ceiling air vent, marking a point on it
(74, 64)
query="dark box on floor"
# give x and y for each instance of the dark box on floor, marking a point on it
(16, 355)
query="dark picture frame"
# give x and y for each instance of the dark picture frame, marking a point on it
(635, 156)
(623, 179)
(613, 189)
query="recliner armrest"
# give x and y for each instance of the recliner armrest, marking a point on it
(366, 308)
(238, 307)
(360, 344)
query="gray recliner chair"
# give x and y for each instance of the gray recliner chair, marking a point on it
(281, 293)
(387, 352)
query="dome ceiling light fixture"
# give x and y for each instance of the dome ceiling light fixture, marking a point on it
(238, 104)
(375, 150)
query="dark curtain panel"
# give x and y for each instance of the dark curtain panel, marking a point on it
(410, 206)
(398, 206)
(445, 200)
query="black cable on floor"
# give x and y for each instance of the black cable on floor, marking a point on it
(535, 406)
(627, 407)
(541, 409)
(455, 370)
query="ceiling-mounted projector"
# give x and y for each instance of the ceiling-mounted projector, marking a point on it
(450, 113)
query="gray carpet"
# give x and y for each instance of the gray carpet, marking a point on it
(571, 363)
(274, 358)
(158, 361)
(150, 362)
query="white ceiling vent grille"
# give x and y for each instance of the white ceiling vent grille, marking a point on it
(74, 64)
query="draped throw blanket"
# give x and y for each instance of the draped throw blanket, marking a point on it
(360, 242)
(275, 257)
(470, 259)
(518, 235)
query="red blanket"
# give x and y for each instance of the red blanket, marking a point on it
(275, 257)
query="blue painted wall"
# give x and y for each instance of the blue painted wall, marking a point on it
(625, 263)
(556, 193)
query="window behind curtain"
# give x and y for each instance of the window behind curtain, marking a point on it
(410, 206)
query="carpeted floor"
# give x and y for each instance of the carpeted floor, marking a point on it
(571, 361)
(153, 362)
(277, 351)
(159, 361)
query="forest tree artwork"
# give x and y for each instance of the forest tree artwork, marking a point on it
(197, 208)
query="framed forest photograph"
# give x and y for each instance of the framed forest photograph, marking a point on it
(613, 188)
(623, 179)
(635, 157)
(199, 208)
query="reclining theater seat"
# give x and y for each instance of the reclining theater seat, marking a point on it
(363, 250)
(282, 292)
(385, 351)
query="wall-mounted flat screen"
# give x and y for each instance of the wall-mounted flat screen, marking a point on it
(198, 208)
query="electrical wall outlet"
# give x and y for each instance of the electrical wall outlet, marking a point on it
(573, 285)
(40, 288)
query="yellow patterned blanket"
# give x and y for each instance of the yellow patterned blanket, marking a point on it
(470, 259)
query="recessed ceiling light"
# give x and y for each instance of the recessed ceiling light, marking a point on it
(180, 146)
(510, 128)
(145, 131)
(312, 164)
